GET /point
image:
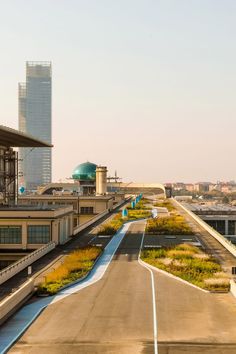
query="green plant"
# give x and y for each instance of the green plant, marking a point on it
(165, 204)
(169, 225)
(191, 264)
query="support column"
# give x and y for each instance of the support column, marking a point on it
(24, 235)
(226, 227)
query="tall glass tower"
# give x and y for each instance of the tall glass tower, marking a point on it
(35, 112)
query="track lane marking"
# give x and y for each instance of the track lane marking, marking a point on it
(153, 296)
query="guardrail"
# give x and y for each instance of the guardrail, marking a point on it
(24, 262)
(90, 222)
(226, 243)
(96, 218)
(12, 302)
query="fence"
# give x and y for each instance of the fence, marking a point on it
(24, 262)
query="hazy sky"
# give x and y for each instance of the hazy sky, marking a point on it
(146, 87)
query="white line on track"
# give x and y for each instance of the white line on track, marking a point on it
(153, 297)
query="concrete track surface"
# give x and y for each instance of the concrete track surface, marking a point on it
(115, 315)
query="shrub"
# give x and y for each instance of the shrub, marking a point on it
(153, 253)
(170, 225)
(217, 284)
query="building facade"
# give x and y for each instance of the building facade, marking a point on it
(35, 111)
(30, 227)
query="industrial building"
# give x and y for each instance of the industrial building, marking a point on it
(26, 227)
(34, 105)
(84, 207)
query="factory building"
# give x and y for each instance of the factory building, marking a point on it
(28, 226)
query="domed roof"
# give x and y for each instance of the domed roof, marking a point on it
(85, 171)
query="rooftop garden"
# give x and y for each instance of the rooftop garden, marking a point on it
(169, 225)
(165, 204)
(75, 266)
(191, 264)
(138, 212)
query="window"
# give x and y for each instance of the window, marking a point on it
(86, 210)
(10, 234)
(231, 230)
(38, 234)
(218, 225)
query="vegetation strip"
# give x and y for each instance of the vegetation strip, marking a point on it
(190, 264)
(76, 265)
(141, 211)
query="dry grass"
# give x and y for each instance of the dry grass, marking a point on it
(168, 225)
(191, 264)
(217, 283)
(111, 227)
(75, 265)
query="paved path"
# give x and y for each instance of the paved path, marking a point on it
(193, 321)
(115, 315)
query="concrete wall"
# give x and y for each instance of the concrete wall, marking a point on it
(88, 223)
(233, 287)
(13, 301)
(226, 243)
(98, 205)
(24, 262)
(94, 219)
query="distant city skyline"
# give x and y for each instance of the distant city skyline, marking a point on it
(143, 87)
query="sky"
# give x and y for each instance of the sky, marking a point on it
(145, 87)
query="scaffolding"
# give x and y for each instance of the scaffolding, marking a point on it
(8, 175)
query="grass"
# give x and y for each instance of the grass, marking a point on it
(111, 227)
(165, 204)
(138, 214)
(191, 264)
(169, 225)
(141, 205)
(76, 265)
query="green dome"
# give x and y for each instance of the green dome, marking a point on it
(85, 171)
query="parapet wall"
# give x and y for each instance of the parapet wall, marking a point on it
(11, 303)
(226, 243)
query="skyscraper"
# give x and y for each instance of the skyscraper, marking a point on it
(35, 111)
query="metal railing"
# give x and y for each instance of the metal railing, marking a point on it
(24, 262)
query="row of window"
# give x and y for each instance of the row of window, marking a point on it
(36, 234)
(86, 210)
(220, 226)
